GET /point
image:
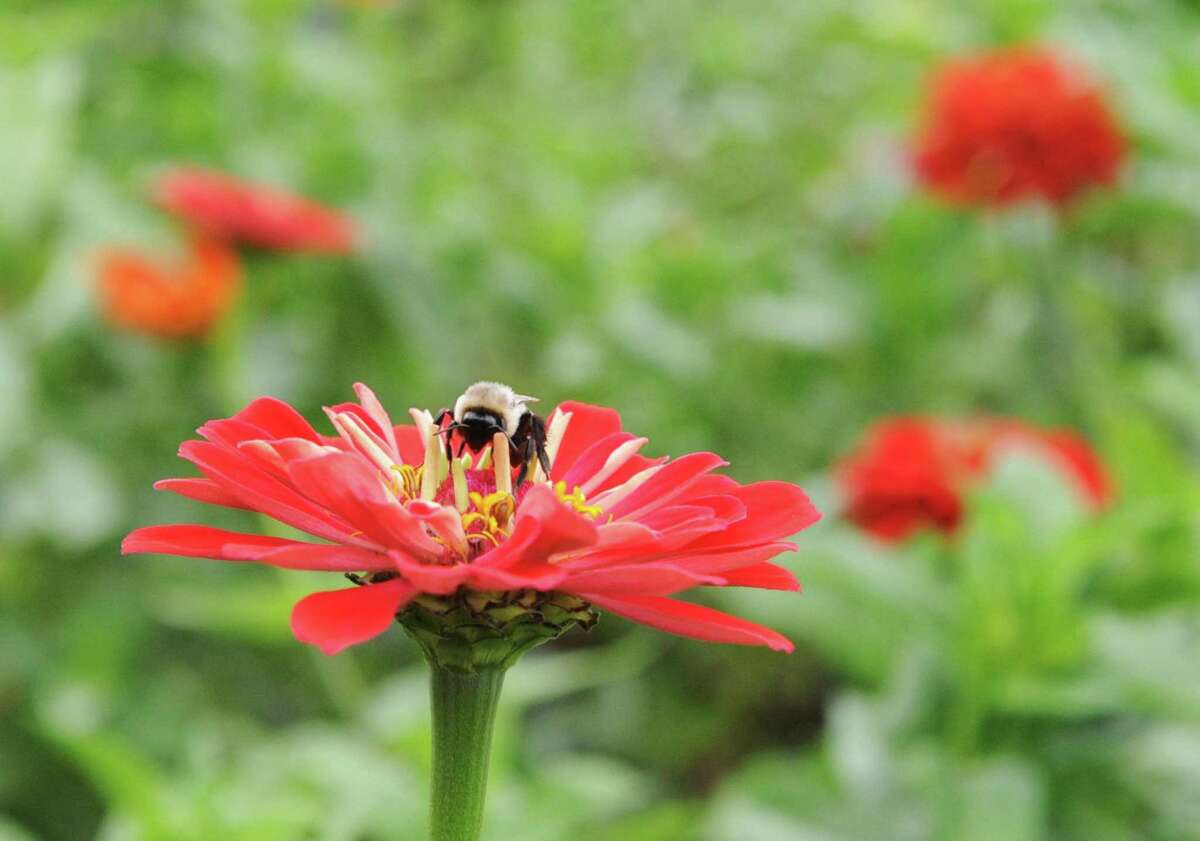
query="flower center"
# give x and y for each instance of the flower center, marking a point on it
(478, 486)
(488, 515)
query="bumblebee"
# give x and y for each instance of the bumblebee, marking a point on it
(486, 408)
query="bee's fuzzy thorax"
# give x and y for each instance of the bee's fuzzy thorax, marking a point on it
(494, 397)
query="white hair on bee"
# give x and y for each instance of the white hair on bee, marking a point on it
(487, 413)
(496, 398)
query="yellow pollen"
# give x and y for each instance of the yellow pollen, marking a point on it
(488, 519)
(576, 500)
(406, 484)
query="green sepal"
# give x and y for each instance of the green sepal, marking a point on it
(471, 631)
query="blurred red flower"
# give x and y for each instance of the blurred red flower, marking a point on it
(1012, 125)
(614, 529)
(172, 301)
(910, 473)
(252, 214)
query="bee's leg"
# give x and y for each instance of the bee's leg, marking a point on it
(448, 431)
(537, 437)
(518, 445)
(525, 455)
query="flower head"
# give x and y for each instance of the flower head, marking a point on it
(469, 561)
(169, 301)
(253, 214)
(911, 473)
(1013, 125)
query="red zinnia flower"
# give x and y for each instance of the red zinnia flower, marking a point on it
(912, 472)
(169, 301)
(1013, 125)
(254, 214)
(609, 527)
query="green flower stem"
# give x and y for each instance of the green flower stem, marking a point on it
(464, 709)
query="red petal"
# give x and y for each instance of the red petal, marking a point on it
(238, 475)
(409, 444)
(722, 561)
(277, 419)
(206, 542)
(773, 510)
(763, 576)
(231, 432)
(690, 620)
(638, 579)
(430, 578)
(679, 525)
(592, 459)
(669, 482)
(523, 575)
(588, 425)
(265, 417)
(714, 484)
(346, 484)
(375, 409)
(709, 562)
(725, 507)
(335, 619)
(369, 425)
(545, 526)
(202, 490)
(291, 449)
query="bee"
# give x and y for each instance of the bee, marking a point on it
(486, 408)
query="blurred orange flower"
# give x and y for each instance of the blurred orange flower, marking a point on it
(170, 301)
(1012, 125)
(252, 214)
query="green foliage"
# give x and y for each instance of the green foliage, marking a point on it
(695, 212)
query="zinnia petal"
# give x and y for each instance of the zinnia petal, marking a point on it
(668, 482)
(691, 620)
(588, 425)
(195, 541)
(544, 527)
(653, 579)
(335, 619)
(201, 490)
(347, 485)
(237, 475)
(773, 510)
(764, 576)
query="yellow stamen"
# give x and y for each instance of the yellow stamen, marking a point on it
(406, 484)
(576, 500)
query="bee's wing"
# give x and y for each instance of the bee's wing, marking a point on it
(525, 398)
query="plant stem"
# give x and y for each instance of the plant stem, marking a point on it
(464, 708)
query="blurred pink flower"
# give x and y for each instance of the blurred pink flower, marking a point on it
(252, 214)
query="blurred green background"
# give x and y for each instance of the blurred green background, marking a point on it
(697, 212)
